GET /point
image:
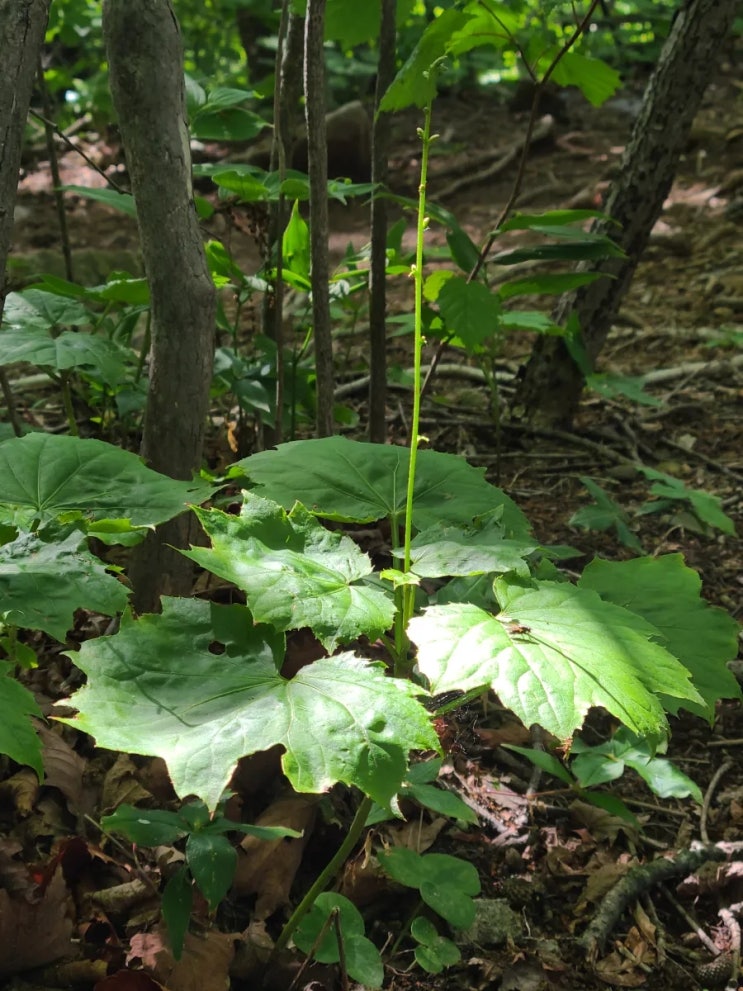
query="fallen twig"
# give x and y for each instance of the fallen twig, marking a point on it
(633, 884)
(721, 770)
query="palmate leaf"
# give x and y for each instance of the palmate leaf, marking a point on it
(158, 688)
(448, 551)
(667, 594)
(294, 572)
(415, 84)
(43, 583)
(356, 482)
(554, 652)
(17, 737)
(43, 476)
(37, 309)
(69, 350)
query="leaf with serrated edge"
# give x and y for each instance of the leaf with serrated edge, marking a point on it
(667, 594)
(42, 584)
(294, 572)
(450, 551)
(567, 653)
(353, 481)
(43, 476)
(155, 688)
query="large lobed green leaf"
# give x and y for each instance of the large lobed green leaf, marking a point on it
(347, 480)
(448, 551)
(42, 583)
(43, 476)
(160, 687)
(295, 572)
(553, 652)
(17, 736)
(668, 594)
(71, 349)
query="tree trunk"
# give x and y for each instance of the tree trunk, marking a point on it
(317, 157)
(22, 28)
(145, 58)
(381, 132)
(286, 115)
(550, 389)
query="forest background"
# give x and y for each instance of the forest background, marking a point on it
(249, 322)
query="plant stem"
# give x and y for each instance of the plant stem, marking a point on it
(405, 929)
(341, 855)
(426, 140)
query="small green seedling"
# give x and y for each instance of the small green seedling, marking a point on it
(604, 514)
(210, 857)
(419, 788)
(333, 932)
(705, 507)
(434, 952)
(593, 766)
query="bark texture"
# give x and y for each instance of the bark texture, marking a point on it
(145, 58)
(317, 154)
(22, 28)
(550, 389)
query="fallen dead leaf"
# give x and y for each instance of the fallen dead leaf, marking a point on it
(129, 980)
(268, 868)
(600, 881)
(414, 834)
(204, 966)
(35, 933)
(252, 952)
(63, 767)
(22, 790)
(121, 785)
(601, 824)
(14, 876)
(628, 966)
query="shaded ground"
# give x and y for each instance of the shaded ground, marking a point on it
(546, 855)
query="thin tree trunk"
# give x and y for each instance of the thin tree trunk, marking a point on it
(22, 28)
(145, 58)
(317, 157)
(550, 389)
(381, 132)
(285, 118)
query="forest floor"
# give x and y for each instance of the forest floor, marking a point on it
(546, 858)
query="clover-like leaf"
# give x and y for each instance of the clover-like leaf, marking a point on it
(447, 884)
(295, 572)
(349, 480)
(43, 582)
(161, 687)
(44, 476)
(554, 652)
